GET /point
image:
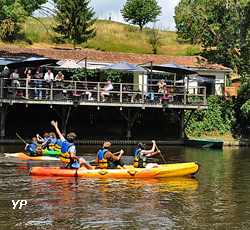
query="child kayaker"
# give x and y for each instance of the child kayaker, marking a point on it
(34, 148)
(68, 151)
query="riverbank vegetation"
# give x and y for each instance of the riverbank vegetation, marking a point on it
(219, 121)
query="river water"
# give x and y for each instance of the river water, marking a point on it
(218, 197)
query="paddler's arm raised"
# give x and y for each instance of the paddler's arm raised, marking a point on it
(57, 129)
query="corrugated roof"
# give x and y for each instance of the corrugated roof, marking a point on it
(110, 57)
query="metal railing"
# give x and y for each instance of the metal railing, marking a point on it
(122, 92)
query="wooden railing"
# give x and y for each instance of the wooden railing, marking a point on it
(29, 89)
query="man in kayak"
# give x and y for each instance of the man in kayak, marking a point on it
(141, 154)
(107, 160)
(68, 151)
(34, 148)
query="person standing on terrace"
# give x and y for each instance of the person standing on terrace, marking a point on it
(48, 77)
(15, 83)
(29, 77)
(38, 83)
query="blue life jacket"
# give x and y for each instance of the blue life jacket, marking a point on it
(58, 145)
(65, 156)
(103, 163)
(140, 160)
(53, 140)
(59, 142)
(33, 146)
(46, 139)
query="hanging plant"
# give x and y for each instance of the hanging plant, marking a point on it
(79, 74)
(114, 75)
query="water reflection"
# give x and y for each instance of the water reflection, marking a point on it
(129, 201)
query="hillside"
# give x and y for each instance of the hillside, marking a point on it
(111, 36)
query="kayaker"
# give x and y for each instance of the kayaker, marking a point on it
(53, 140)
(34, 148)
(58, 144)
(141, 154)
(44, 139)
(107, 160)
(68, 151)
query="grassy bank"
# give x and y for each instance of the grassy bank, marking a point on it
(111, 36)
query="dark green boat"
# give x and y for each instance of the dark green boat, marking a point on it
(204, 143)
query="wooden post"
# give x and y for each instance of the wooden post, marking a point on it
(27, 88)
(182, 124)
(1, 92)
(63, 119)
(121, 92)
(3, 112)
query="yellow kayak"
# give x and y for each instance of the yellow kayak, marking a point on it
(166, 170)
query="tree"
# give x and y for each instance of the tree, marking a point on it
(222, 27)
(74, 18)
(141, 12)
(155, 35)
(13, 14)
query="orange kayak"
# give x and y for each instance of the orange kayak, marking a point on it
(168, 170)
(23, 156)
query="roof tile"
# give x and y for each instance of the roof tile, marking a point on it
(110, 57)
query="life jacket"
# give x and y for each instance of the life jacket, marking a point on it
(65, 156)
(103, 163)
(46, 139)
(58, 145)
(140, 161)
(52, 143)
(32, 146)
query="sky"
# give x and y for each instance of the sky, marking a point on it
(111, 8)
(106, 8)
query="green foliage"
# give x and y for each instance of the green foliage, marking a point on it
(74, 19)
(13, 14)
(141, 12)
(220, 117)
(192, 51)
(114, 75)
(154, 38)
(79, 74)
(221, 27)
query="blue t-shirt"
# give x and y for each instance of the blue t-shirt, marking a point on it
(38, 77)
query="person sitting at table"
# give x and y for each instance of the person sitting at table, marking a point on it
(162, 86)
(70, 89)
(179, 90)
(167, 92)
(106, 90)
(85, 87)
(127, 88)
